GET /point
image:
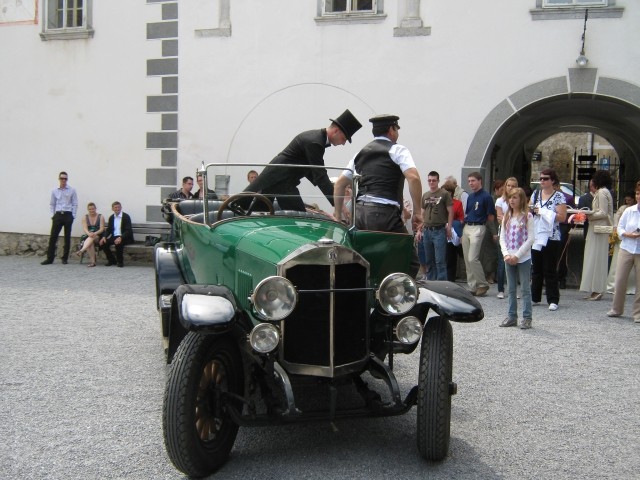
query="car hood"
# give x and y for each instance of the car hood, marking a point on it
(273, 239)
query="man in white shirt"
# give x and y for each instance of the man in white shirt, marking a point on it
(63, 205)
(119, 233)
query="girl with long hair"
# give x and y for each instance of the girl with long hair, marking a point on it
(516, 239)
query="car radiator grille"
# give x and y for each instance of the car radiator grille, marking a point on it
(328, 328)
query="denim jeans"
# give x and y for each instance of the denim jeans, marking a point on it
(522, 272)
(421, 256)
(435, 250)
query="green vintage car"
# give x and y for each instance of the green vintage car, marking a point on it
(275, 317)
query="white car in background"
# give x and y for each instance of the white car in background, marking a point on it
(565, 187)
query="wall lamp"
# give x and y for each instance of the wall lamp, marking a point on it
(582, 60)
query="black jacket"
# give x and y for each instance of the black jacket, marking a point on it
(307, 148)
(125, 228)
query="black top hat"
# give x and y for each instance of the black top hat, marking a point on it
(347, 123)
(385, 120)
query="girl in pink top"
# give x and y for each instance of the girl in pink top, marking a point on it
(516, 239)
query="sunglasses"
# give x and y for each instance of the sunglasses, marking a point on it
(63, 178)
(544, 178)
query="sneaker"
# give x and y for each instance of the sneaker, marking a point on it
(500, 295)
(518, 296)
(553, 307)
(525, 324)
(637, 320)
(611, 313)
(535, 304)
(420, 277)
(509, 322)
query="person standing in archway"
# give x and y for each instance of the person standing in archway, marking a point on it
(549, 209)
(596, 249)
(479, 214)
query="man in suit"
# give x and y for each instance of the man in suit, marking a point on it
(307, 148)
(119, 233)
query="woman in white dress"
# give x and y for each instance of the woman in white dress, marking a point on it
(596, 251)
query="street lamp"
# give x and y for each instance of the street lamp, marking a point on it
(582, 60)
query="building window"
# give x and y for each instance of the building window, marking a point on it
(350, 11)
(66, 19)
(349, 6)
(574, 9)
(574, 3)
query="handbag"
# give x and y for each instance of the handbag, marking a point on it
(608, 229)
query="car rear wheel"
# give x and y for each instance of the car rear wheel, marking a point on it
(435, 388)
(198, 432)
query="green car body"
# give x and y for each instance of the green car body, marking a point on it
(255, 305)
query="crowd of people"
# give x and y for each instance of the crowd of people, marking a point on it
(97, 234)
(517, 238)
(529, 233)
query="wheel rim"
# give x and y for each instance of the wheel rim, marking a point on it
(213, 382)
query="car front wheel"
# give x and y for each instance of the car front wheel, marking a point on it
(198, 432)
(435, 388)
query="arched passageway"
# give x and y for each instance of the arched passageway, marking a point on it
(579, 102)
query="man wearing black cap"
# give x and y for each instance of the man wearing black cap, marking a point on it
(307, 148)
(383, 166)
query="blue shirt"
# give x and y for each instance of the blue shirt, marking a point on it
(64, 200)
(479, 207)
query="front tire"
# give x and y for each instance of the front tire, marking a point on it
(435, 388)
(198, 432)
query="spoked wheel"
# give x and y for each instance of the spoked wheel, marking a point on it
(235, 204)
(435, 389)
(198, 432)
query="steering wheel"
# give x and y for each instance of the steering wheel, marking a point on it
(232, 203)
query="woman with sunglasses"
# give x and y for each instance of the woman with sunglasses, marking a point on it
(549, 209)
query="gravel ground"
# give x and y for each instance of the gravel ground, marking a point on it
(83, 374)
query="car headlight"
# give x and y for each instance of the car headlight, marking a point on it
(397, 293)
(409, 330)
(274, 298)
(264, 337)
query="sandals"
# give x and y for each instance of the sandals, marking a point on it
(91, 265)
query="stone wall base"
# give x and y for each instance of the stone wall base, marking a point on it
(33, 245)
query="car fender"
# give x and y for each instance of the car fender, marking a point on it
(450, 300)
(168, 273)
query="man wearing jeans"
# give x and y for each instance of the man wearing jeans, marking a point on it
(437, 215)
(63, 206)
(479, 211)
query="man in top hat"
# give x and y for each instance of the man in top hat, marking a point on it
(307, 148)
(383, 166)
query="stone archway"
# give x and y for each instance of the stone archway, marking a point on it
(580, 101)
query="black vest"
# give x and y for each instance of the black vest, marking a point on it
(380, 176)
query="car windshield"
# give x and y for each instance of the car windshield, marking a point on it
(286, 185)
